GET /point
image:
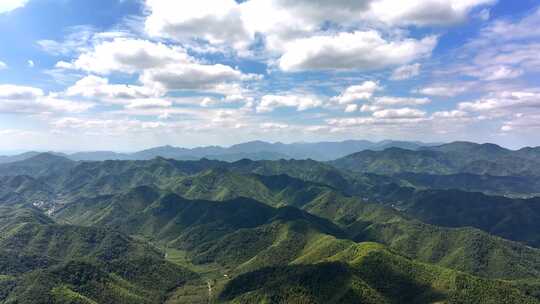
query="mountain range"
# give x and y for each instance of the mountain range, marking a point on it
(254, 150)
(452, 223)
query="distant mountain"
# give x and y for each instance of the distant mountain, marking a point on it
(40, 164)
(18, 157)
(453, 158)
(254, 150)
(510, 186)
(98, 156)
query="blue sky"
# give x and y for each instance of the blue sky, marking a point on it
(131, 74)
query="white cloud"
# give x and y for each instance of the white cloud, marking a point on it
(505, 49)
(127, 56)
(423, 12)
(98, 87)
(503, 103)
(399, 113)
(406, 72)
(357, 50)
(493, 73)
(506, 30)
(357, 92)
(161, 68)
(454, 114)
(375, 121)
(3, 65)
(400, 101)
(270, 102)
(351, 108)
(273, 126)
(444, 90)
(30, 63)
(148, 103)
(369, 108)
(7, 6)
(522, 123)
(14, 92)
(207, 102)
(282, 21)
(29, 100)
(107, 126)
(214, 21)
(193, 76)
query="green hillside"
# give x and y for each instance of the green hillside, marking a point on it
(371, 274)
(43, 262)
(244, 236)
(453, 158)
(511, 186)
(514, 219)
(239, 227)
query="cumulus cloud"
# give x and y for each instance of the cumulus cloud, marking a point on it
(423, 12)
(148, 103)
(280, 21)
(359, 50)
(215, 21)
(444, 90)
(14, 92)
(192, 76)
(522, 123)
(506, 30)
(399, 113)
(492, 72)
(353, 93)
(7, 6)
(3, 65)
(503, 103)
(270, 102)
(454, 114)
(400, 101)
(373, 121)
(107, 126)
(505, 49)
(207, 101)
(128, 56)
(29, 100)
(273, 126)
(161, 68)
(99, 87)
(351, 108)
(369, 108)
(406, 72)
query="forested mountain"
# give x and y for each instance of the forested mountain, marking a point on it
(293, 231)
(453, 158)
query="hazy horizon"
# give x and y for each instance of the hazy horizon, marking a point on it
(20, 151)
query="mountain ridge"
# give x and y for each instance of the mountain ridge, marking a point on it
(256, 150)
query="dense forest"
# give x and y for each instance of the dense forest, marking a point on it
(453, 223)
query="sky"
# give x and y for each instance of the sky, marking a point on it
(124, 75)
